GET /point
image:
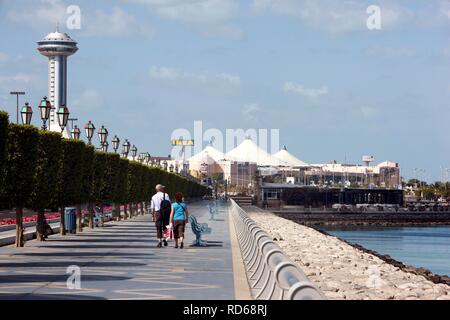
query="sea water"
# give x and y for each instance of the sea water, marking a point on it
(427, 247)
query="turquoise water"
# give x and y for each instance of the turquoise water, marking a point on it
(427, 247)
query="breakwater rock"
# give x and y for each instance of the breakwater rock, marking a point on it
(382, 219)
(343, 271)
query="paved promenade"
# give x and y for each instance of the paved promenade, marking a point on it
(121, 261)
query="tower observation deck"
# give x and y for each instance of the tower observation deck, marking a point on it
(57, 46)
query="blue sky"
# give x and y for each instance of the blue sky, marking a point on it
(312, 69)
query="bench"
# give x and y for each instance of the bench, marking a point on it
(199, 229)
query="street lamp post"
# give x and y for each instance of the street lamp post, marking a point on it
(63, 117)
(115, 143)
(89, 129)
(26, 113)
(102, 135)
(17, 94)
(75, 132)
(105, 146)
(126, 147)
(147, 158)
(45, 107)
(133, 152)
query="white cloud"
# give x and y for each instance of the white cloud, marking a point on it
(208, 17)
(3, 57)
(334, 16)
(368, 112)
(291, 87)
(43, 16)
(172, 74)
(40, 15)
(389, 52)
(88, 100)
(115, 24)
(19, 81)
(18, 78)
(249, 110)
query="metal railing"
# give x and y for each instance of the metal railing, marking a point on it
(270, 273)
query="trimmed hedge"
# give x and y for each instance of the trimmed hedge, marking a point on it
(22, 145)
(48, 171)
(3, 151)
(70, 190)
(45, 171)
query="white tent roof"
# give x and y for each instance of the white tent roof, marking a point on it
(208, 155)
(290, 159)
(248, 151)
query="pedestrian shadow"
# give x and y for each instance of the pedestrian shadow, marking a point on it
(48, 296)
(103, 240)
(209, 243)
(29, 278)
(65, 264)
(97, 246)
(83, 254)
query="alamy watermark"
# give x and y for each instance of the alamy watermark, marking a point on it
(74, 280)
(374, 281)
(73, 21)
(266, 139)
(373, 22)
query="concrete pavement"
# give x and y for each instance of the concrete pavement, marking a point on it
(121, 261)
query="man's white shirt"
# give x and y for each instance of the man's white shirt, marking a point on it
(157, 199)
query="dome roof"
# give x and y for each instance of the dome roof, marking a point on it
(208, 155)
(58, 36)
(290, 159)
(248, 151)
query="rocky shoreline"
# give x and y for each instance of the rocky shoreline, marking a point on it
(435, 278)
(346, 271)
(380, 219)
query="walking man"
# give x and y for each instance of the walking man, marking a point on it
(161, 208)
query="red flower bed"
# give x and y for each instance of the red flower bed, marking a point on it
(48, 216)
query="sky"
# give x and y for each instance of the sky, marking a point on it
(335, 89)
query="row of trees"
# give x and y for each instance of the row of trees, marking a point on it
(40, 170)
(433, 191)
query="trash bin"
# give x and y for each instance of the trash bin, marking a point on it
(70, 219)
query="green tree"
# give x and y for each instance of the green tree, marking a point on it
(99, 181)
(3, 151)
(133, 185)
(121, 195)
(70, 190)
(87, 187)
(111, 179)
(48, 171)
(20, 171)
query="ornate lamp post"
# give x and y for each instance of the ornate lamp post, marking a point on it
(102, 135)
(105, 146)
(126, 147)
(115, 143)
(133, 151)
(89, 129)
(147, 158)
(45, 107)
(63, 117)
(26, 113)
(75, 132)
